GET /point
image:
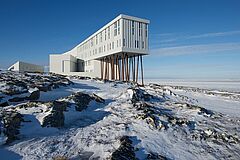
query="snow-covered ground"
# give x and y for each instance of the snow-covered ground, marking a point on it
(161, 122)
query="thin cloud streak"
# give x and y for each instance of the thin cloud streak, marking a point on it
(187, 37)
(195, 49)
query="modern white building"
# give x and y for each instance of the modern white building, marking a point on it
(25, 67)
(113, 52)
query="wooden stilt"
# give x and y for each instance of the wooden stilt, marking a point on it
(118, 68)
(101, 69)
(123, 57)
(127, 68)
(105, 62)
(130, 66)
(137, 69)
(110, 68)
(113, 68)
(133, 69)
(108, 77)
(142, 69)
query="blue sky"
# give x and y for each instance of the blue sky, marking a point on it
(188, 38)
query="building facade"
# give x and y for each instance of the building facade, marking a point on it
(26, 67)
(113, 52)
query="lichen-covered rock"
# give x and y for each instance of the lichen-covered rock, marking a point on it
(35, 95)
(81, 100)
(139, 94)
(11, 123)
(125, 151)
(56, 116)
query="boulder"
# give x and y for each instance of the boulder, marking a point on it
(35, 95)
(125, 151)
(56, 117)
(11, 121)
(82, 100)
(4, 104)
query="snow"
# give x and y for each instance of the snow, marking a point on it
(95, 131)
(228, 85)
(215, 103)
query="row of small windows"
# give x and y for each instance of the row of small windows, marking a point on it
(99, 37)
(101, 49)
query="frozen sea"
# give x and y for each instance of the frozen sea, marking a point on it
(226, 85)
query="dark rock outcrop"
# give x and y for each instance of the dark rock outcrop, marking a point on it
(56, 117)
(4, 104)
(125, 151)
(11, 123)
(35, 95)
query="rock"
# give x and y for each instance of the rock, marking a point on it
(56, 117)
(35, 95)
(4, 104)
(97, 98)
(82, 100)
(125, 151)
(44, 88)
(152, 156)
(17, 99)
(11, 121)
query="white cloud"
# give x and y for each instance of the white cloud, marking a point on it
(195, 49)
(217, 34)
(176, 37)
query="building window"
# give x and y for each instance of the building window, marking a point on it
(133, 27)
(96, 39)
(142, 44)
(108, 32)
(115, 28)
(101, 37)
(146, 29)
(104, 48)
(91, 42)
(123, 42)
(112, 45)
(118, 26)
(105, 34)
(140, 29)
